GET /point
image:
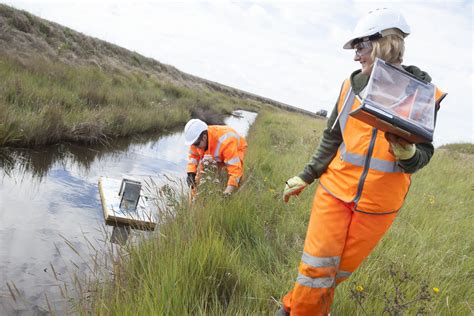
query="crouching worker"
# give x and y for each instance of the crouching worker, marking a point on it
(364, 175)
(222, 143)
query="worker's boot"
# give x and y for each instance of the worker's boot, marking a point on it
(282, 312)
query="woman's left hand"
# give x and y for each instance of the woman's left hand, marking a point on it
(400, 147)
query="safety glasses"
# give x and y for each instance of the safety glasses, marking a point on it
(363, 48)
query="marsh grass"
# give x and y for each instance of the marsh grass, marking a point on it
(43, 101)
(238, 256)
(460, 148)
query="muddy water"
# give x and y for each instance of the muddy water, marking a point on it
(49, 204)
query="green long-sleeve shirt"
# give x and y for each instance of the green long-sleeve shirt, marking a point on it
(332, 138)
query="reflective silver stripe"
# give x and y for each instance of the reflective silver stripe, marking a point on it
(193, 161)
(343, 274)
(319, 262)
(233, 161)
(222, 139)
(384, 165)
(347, 107)
(375, 164)
(356, 159)
(237, 179)
(316, 283)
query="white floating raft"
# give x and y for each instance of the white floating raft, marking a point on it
(143, 217)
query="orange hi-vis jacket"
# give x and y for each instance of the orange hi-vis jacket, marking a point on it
(226, 146)
(363, 170)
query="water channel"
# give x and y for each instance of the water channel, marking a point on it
(49, 204)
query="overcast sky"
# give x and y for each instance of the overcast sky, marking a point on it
(289, 51)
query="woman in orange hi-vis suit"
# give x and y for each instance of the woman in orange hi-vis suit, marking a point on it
(364, 175)
(221, 143)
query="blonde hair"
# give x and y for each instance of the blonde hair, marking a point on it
(389, 48)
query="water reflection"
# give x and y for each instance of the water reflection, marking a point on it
(37, 163)
(49, 203)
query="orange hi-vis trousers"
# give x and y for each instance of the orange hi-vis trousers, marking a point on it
(338, 239)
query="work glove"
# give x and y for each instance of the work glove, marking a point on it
(191, 179)
(400, 147)
(293, 186)
(403, 152)
(229, 190)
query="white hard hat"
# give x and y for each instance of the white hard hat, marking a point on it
(372, 25)
(193, 130)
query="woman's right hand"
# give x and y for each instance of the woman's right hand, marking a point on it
(293, 186)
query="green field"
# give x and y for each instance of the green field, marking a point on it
(238, 256)
(44, 102)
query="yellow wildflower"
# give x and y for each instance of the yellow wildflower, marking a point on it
(432, 199)
(359, 288)
(436, 290)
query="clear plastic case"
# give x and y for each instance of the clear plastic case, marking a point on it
(395, 101)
